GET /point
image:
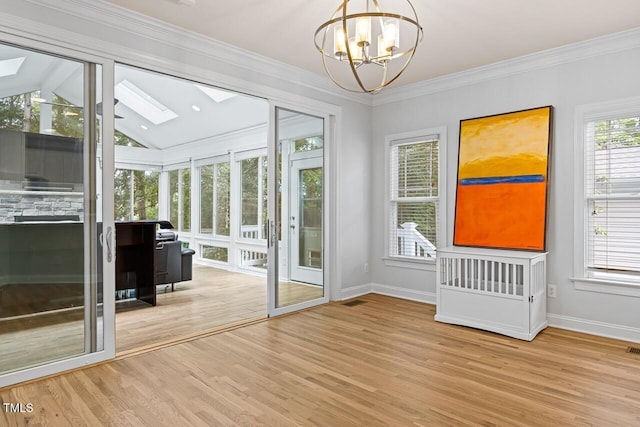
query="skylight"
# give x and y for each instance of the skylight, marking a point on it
(10, 67)
(143, 103)
(216, 94)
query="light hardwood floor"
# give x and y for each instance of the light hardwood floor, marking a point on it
(213, 299)
(384, 362)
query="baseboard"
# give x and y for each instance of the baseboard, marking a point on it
(586, 326)
(355, 291)
(408, 294)
(593, 327)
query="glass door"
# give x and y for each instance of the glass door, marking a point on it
(51, 262)
(305, 221)
(297, 215)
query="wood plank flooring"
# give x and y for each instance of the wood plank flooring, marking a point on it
(213, 299)
(384, 362)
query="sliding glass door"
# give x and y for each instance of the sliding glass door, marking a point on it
(52, 231)
(297, 239)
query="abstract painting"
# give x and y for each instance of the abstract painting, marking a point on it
(501, 195)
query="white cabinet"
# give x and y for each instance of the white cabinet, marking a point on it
(497, 290)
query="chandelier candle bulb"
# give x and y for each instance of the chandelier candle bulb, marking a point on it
(339, 42)
(391, 33)
(356, 50)
(383, 46)
(363, 31)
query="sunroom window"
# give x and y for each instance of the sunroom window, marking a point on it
(215, 184)
(136, 194)
(254, 197)
(180, 199)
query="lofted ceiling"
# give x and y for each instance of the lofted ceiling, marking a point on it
(195, 114)
(458, 34)
(198, 116)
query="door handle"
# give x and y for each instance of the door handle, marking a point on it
(272, 235)
(109, 236)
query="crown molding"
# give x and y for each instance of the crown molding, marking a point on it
(125, 21)
(616, 42)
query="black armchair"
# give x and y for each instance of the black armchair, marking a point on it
(173, 264)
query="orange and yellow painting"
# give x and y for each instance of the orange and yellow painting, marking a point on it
(501, 198)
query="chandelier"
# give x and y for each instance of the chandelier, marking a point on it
(361, 45)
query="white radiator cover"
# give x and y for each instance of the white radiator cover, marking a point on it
(496, 290)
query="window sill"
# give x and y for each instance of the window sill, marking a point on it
(606, 286)
(415, 264)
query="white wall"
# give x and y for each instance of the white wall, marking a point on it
(565, 85)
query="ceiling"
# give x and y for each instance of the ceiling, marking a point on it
(198, 116)
(458, 34)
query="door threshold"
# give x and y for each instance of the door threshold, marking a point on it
(190, 337)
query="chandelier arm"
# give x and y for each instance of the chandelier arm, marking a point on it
(406, 64)
(348, 48)
(384, 78)
(334, 80)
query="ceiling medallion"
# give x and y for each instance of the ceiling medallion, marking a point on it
(364, 48)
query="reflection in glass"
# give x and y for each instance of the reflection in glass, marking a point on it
(310, 214)
(300, 207)
(44, 216)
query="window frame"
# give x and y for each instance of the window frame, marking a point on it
(180, 168)
(215, 163)
(416, 136)
(240, 157)
(583, 279)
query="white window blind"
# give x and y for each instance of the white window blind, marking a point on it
(612, 181)
(414, 200)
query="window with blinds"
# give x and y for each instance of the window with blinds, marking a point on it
(414, 200)
(612, 195)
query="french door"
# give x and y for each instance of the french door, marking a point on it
(305, 220)
(56, 260)
(297, 235)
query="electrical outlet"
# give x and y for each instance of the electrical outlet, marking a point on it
(366, 267)
(551, 291)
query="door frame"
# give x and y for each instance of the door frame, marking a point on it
(104, 189)
(331, 266)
